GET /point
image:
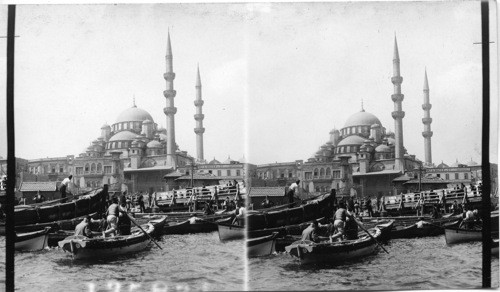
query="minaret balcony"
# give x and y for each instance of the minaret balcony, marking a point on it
(169, 76)
(397, 97)
(171, 110)
(199, 130)
(199, 102)
(199, 117)
(398, 114)
(427, 134)
(169, 93)
(426, 106)
(397, 80)
(426, 121)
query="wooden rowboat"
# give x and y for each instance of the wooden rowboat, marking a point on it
(32, 241)
(336, 252)
(230, 232)
(261, 246)
(82, 247)
(457, 235)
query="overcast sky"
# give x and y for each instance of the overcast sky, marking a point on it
(276, 77)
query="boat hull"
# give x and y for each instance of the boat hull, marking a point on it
(230, 232)
(261, 246)
(457, 235)
(494, 247)
(82, 247)
(334, 253)
(32, 241)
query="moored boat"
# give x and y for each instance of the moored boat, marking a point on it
(457, 235)
(261, 246)
(314, 209)
(230, 232)
(32, 241)
(82, 247)
(176, 227)
(494, 247)
(335, 252)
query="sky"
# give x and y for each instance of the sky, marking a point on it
(277, 77)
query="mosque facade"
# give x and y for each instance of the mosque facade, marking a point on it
(135, 154)
(363, 157)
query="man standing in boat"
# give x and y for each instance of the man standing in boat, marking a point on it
(63, 188)
(292, 191)
(311, 232)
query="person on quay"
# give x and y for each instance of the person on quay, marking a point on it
(173, 202)
(455, 209)
(368, 206)
(140, 200)
(435, 212)
(112, 218)
(64, 187)
(443, 202)
(311, 232)
(266, 203)
(150, 200)
(124, 223)
(401, 207)
(227, 204)
(83, 228)
(339, 223)
(293, 191)
(208, 209)
(39, 197)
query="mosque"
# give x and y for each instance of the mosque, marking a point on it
(135, 154)
(363, 157)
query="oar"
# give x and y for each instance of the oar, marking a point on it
(361, 226)
(133, 221)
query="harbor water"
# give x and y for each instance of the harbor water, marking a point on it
(186, 263)
(421, 263)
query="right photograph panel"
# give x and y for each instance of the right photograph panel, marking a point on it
(364, 123)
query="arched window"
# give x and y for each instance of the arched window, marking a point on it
(92, 167)
(87, 167)
(328, 171)
(315, 172)
(322, 172)
(99, 167)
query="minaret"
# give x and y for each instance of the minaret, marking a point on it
(398, 113)
(170, 109)
(199, 116)
(427, 120)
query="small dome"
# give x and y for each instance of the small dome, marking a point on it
(442, 165)
(105, 126)
(472, 163)
(134, 114)
(242, 160)
(154, 144)
(163, 137)
(383, 148)
(214, 161)
(456, 163)
(123, 136)
(147, 122)
(362, 118)
(391, 141)
(135, 143)
(351, 140)
(228, 160)
(333, 131)
(375, 126)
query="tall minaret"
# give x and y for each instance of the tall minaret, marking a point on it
(427, 120)
(199, 116)
(398, 113)
(170, 109)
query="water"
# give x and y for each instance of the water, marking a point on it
(187, 262)
(424, 263)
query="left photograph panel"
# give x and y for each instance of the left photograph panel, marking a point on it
(130, 147)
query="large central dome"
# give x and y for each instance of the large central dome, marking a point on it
(362, 118)
(134, 114)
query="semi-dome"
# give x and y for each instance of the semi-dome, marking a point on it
(154, 144)
(383, 148)
(134, 114)
(362, 118)
(352, 140)
(391, 141)
(163, 137)
(123, 136)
